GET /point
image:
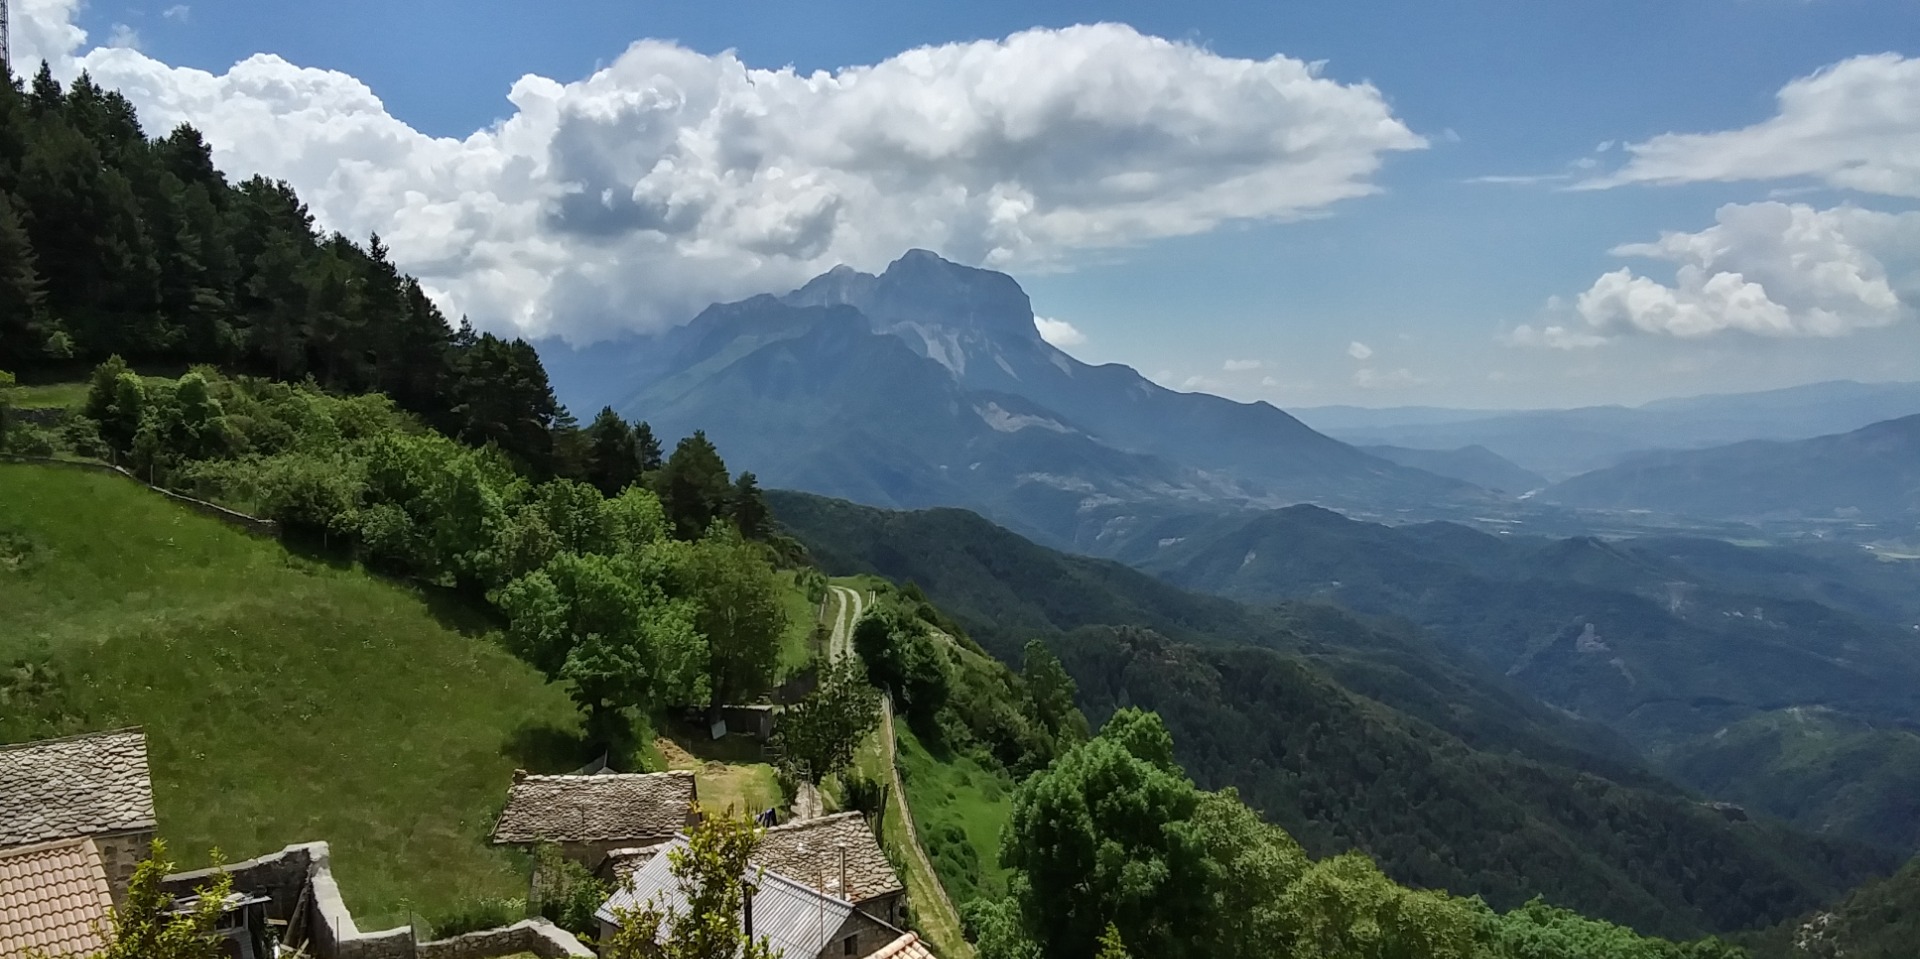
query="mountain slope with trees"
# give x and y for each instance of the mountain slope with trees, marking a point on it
(1248, 696)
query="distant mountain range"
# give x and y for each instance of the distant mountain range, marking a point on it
(1872, 473)
(929, 385)
(1562, 443)
(1473, 464)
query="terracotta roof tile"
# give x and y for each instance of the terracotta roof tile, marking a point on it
(808, 850)
(54, 899)
(600, 808)
(908, 946)
(78, 786)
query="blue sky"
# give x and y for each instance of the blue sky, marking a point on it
(1402, 283)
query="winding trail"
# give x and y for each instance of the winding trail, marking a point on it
(943, 912)
(848, 606)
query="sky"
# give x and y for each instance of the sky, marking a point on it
(1486, 203)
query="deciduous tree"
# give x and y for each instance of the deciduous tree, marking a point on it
(817, 736)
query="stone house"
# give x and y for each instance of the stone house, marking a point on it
(840, 856)
(587, 817)
(54, 900)
(799, 920)
(95, 786)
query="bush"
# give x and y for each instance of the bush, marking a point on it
(29, 440)
(477, 914)
(82, 436)
(568, 894)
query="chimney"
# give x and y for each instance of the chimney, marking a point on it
(747, 910)
(845, 892)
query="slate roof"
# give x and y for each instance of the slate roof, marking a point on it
(799, 921)
(599, 808)
(908, 946)
(77, 786)
(54, 900)
(808, 850)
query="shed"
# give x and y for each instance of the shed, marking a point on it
(589, 816)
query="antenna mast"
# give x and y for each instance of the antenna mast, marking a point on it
(6, 55)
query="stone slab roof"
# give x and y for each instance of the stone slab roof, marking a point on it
(626, 807)
(77, 786)
(808, 850)
(54, 900)
(908, 946)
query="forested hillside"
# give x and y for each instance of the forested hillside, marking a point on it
(1455, 787)
(115, 242)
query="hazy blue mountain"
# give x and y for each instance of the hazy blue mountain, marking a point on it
(1563, 443)
(1870, 473)
(1473, 464)
(1670, 641)
(929, 385)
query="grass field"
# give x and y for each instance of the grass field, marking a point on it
(285, 699)
(796, 647)
(959, 809)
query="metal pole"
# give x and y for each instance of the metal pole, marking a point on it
(6, 54)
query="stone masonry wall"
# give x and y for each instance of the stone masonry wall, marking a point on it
(538, 936)
(121, 853)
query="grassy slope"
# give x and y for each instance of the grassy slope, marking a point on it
(284, 699)
(959, 809)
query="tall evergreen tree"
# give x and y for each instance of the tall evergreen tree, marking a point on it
(613, 456)
(647, 447)
(22, 331)
(693, 486)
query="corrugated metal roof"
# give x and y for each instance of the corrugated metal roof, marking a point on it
(799, 921)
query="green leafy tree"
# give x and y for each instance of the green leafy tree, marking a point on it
(693, 486)
(143, 928)
(1104, 836)
(126, 413)
(740, 614)
(596, 623)
(904, 660)
(1050, 695)
(817, 736)
(1111, 945)
(715, 874)
(6, 405)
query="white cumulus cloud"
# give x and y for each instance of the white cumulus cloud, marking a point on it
(1359, 350)
(1060, 333)
(1771, 269)
(671, 178)
(1240, 366)
(1854, 124)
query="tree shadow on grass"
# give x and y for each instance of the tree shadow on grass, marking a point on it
(459, 611)
(547, 749)
(695, 738)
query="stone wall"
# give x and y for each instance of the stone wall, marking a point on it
(538, 936)
(869, 936)
(251, 524)
(121, 853)
(304, 871)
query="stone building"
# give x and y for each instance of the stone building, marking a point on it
(95, 786)
(837, 855)
(54, 900)
(799, 920)
(589, 816)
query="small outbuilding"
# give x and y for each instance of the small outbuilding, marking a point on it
(95, 786)
(587, 817)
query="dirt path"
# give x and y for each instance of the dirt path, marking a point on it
(847, 607)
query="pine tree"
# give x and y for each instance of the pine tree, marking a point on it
(22, 329)
(614, 456)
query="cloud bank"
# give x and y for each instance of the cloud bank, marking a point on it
(672, 178)
(1854, 125)
(1766, 269)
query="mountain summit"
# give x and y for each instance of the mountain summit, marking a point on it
(929, 384)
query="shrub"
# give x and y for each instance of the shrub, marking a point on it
(477, 914)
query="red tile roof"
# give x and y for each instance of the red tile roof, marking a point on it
(54, 900)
